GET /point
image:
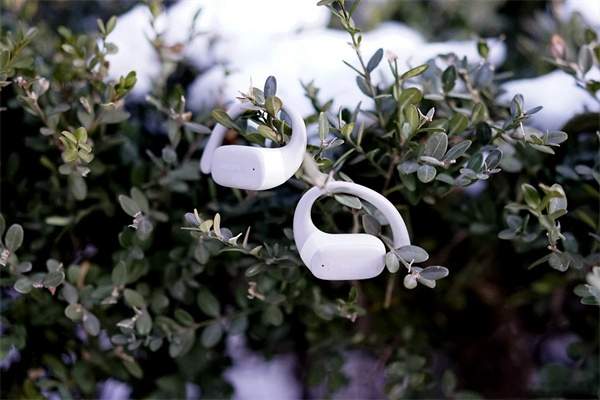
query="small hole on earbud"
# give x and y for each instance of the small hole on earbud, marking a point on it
(253, 169)
(322, 265)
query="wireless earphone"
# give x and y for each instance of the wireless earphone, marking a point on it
(253, 168)
(344, 256)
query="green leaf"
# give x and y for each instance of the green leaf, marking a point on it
(74, 312)
(273, 104)
(434, 273)
(585, 58)
(375, 60)
(206, 225)
(211, 335)
(140, 199)
(133, 368)
(184, 317)
(70, 137)
(91, 324)
(270, 88)
(134, 299)
(272, 315)
(208, 303)
(101, 26)
(483, 49)
(408, 167)
(128, 205)
(78, 187)
(411, 73)
(475, 162)
(457, 124)
(559, 261)
(410, 281)
(409, 96)
(426, 173)
(412, 253)
(436, 145)
(23, 267)
(326, 2)
(23, 285)
(143, 324)
(457, 150)
(2, 225)
(493, 158)
(216, 225)
(111, 24)
(224, 119)
(53, 279)
(370, 224)
(323, 126)
(391, 262)
(119, 274)
(81, 135)
(238, 325)
(53, 265)
(531, 196)
(449, 78)
(557, 203)
(267, 132)
(349, 201)
(70, 293)
(14, 237)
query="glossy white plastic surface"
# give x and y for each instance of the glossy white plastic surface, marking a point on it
(344, 256)
(253, 168)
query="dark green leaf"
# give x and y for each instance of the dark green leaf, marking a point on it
(375, 60)
(134, 299)
(208, 303)
(211, 335)
(371, 225)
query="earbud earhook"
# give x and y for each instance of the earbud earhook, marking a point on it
(253, 168)
(344, 256)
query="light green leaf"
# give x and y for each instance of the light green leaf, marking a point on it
(426, 173)
(134, 299)
(391, 262)
(436, 145)
(349, 201)
(129, 205)
(411, 73)
(412, 253)
(14, 237)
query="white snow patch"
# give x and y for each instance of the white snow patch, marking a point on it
(253, 377)
(557, 92)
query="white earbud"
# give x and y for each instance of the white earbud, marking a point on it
(344, 256)
(253, 168)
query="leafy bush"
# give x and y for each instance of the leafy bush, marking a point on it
(149, 265)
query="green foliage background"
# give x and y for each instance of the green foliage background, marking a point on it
(94, 202)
